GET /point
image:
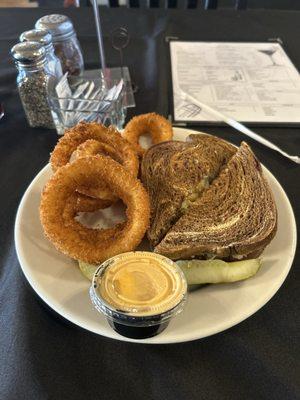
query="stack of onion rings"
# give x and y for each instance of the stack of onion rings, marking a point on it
(89, 139)
(59, 205)
(157, 126)
(109, 137)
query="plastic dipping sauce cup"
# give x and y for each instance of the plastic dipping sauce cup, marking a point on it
(139, 292)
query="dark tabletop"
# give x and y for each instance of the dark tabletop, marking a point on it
(43, 356)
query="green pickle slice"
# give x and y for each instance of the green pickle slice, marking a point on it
(199, 272)
(87, 270)
(218, 271)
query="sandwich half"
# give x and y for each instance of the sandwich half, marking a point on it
(234, 218)
(176, 173)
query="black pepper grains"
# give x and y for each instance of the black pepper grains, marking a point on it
(33, 80)
(33, 94)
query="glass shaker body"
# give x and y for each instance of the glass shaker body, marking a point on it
(32, 82)
(70, 55)
(32, 85)
(54, 63)
(65, 42)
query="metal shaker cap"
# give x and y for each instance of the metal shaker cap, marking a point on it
(28, 53)
(37, 35)
(60, 26)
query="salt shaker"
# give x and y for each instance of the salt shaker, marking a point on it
(65, 42)
(45, 39)
(33, 79)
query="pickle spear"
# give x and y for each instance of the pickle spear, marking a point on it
(199, 272)
(87, 270)
(218, 271)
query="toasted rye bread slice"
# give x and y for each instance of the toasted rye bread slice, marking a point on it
(235, 217)
(176, 173)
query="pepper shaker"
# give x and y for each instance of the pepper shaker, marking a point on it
(45, 39)
(65, 42)
(32, 81)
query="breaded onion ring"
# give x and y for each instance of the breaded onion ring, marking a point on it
(157, 126)
(89, 148)
(90, 139)
(71, 237)
(82, 203)
(74, 205)
(113, 143)
(92, 147)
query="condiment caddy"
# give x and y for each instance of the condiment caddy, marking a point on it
(55, 90)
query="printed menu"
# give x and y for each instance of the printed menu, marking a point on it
(250, 82)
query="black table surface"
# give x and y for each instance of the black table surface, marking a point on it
(43, 356)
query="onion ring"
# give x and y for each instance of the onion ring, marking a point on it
(82, 203)
(92, 147)
(82, 243)
(90, 139)
(75, 205)
(84, 131)
(157, 126)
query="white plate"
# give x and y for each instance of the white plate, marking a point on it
(57, 280)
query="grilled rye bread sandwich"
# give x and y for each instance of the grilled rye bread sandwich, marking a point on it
(175, 174)
(233, 217)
